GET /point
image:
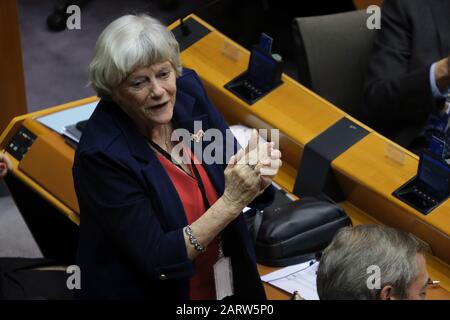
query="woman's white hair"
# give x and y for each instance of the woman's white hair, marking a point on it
(127, 43)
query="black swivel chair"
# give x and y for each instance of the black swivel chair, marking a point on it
(332, 53)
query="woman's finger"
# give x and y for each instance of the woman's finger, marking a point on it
(271, 170)
(253, 141)
(232, 161)
(3, 170)
(4, 159)
(275, 154)
(239, 155)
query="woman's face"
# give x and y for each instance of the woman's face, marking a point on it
(148, 94)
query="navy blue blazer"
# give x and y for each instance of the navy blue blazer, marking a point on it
(131, 243)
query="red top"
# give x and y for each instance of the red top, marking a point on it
(202, 284)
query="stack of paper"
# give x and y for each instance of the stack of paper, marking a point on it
(64, 122)
(300, 277)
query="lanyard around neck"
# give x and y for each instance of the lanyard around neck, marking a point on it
(198, 178)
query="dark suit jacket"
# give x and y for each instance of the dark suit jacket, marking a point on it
(397, 92)
(131, 242)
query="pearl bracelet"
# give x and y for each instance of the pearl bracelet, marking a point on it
(193, 240)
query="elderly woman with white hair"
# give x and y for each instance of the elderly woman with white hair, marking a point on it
(157, 223)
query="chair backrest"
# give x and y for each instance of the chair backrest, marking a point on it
(332, 53)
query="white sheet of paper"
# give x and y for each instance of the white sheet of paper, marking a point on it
(59, 120)
(300, 277)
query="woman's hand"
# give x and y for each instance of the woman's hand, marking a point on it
(5, 165)
(242, 185)
(250, 172)
(266, 158)
(269, 167)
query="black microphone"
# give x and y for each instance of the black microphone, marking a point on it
(184, 28)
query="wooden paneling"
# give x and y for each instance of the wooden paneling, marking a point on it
(12, 84)
(363, 4)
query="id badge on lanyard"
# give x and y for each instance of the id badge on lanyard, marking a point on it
(223, 275)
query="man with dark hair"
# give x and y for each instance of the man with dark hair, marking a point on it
(373, 262)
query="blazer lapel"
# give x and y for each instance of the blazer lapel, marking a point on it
(166, 198)
(185, 119)
(165, 193)
(441, 13)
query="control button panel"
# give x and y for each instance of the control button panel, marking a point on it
(20, 143)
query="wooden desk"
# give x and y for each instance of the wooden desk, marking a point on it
(363, 4)
(436, 269)
(273, 293)
(12, 80)
(364, 173)
(37, 169)
(366, 176)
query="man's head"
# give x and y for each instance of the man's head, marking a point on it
(373, 262)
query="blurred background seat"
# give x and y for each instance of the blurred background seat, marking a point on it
(331, 56)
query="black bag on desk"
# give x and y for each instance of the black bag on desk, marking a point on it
(295, 231)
